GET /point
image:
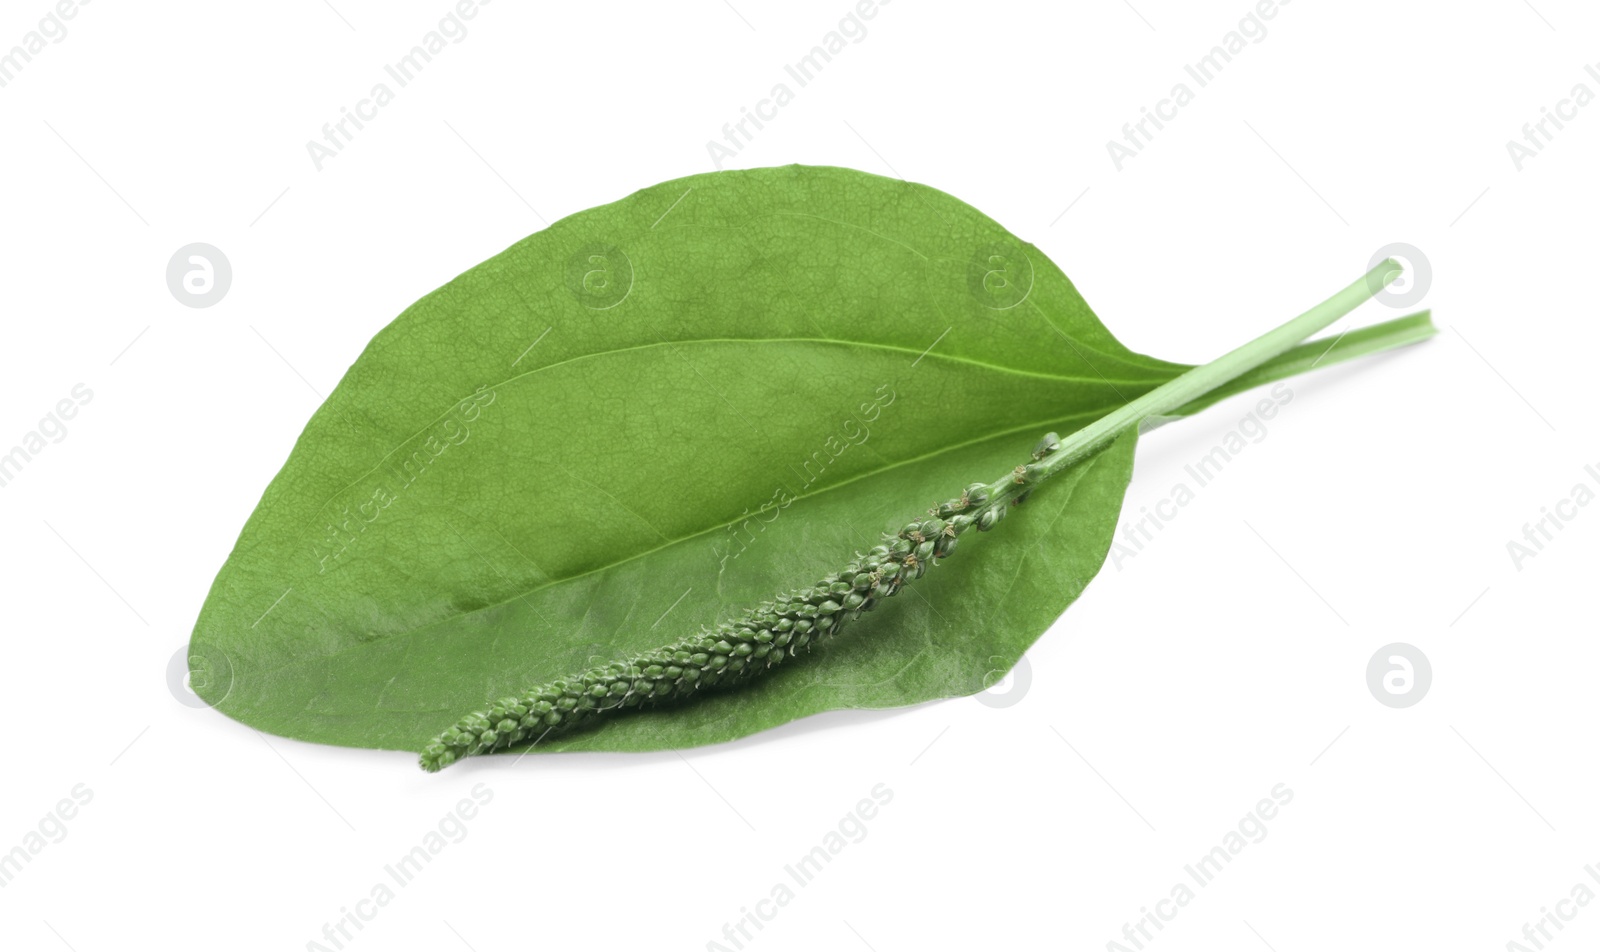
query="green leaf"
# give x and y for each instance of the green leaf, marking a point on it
(653, 415)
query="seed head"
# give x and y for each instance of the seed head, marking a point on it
(732, 651)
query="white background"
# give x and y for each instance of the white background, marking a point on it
(1227, 657)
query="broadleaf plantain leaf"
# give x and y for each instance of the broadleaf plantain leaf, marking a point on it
(652, 415)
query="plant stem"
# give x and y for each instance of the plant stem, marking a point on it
(1322, 353)
(1194, 385)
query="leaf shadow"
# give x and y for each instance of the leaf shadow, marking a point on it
(588, 760)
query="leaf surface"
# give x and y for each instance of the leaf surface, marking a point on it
(649, 417)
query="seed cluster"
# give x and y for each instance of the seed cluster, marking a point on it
(758, 641)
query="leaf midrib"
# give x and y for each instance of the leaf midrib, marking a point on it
(1059, 378)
